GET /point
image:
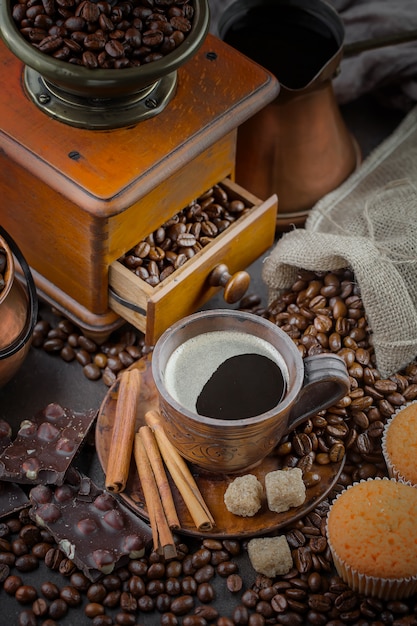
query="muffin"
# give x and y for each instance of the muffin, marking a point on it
(399, 444)
(243, 496)
(372, 535)
(285, 489)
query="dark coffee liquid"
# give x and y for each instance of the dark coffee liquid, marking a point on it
(290, 42)
(243, 386)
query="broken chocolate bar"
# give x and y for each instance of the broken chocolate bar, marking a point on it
(45, 446)
(5, 434)
(12, 499)
(90, 526)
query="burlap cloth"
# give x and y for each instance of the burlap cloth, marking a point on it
(369, 224)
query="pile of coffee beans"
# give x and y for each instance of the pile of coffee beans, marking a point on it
(107, 34)
(172, 244)
(104, 361)
(3, 268)
(322, 312)
(147, 590)
(189, 590)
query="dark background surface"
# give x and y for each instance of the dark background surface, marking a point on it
(45, 378)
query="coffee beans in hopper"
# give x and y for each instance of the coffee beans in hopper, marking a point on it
(106, 34)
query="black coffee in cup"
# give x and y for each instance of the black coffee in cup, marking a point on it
(244, 385)
(226, 375)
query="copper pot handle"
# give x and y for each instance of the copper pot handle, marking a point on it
(32, 317)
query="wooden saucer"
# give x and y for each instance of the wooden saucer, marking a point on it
(211, 485)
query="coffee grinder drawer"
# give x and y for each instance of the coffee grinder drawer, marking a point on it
(220, 263)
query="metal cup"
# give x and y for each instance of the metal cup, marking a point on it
(230, 446)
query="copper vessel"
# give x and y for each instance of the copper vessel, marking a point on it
(18, 311)
(298, 146)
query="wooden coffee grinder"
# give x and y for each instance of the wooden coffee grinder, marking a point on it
(89, 168)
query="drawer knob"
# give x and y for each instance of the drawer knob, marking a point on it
(235, 286)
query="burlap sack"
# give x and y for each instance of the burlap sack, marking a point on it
(369, 224)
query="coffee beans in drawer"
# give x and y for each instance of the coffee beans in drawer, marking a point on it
(179, 239)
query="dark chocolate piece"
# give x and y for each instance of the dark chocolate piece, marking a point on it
(90, 526)
(12, 499)
(5, 434)
(45, 446)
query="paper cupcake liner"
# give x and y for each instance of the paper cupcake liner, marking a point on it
(382, 588)
(377, 587)
(394, 472)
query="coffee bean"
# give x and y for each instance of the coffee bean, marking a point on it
(66, 567)
(25, 594)
(125, 619)
(169, 619)
(219, 556)
(40, 607)
(234, 583)
(311, 478)
(205, 592)
(92, 609)
(58, 608)
(50, 590)
(337, 452)
(70, 595)
(27, 618)
(4, 572)
(410, 392)
(209, 613)
(226, 568)
(27, 563)
(102, 620)
(40, 549)
(96, 592)
(240, 614)
(250, 598)
(256, 619)
(128, 602)
(295, 538)
(92, 371)
(112, 598)
(182, 604)
(225, 621)
(194, 620)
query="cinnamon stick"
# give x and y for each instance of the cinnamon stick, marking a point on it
(155, 459)
(163, 540)
(124, 427)
(181, 475)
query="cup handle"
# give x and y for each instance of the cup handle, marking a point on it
(326, 381)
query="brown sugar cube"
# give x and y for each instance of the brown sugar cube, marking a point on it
(285, 489)
(243, 496)
(270, 556)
